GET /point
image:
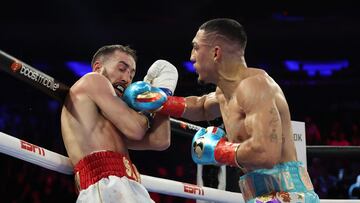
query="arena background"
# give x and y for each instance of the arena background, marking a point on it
(310, 50)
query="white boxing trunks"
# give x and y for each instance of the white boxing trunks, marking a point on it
(105, 176)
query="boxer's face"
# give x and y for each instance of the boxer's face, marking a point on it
(202, 57)
(119, 68)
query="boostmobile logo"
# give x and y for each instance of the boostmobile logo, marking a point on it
(35, 75)
(15, 66)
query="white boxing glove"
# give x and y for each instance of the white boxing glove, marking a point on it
(164, 75)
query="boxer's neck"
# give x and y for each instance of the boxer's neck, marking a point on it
(230, 75)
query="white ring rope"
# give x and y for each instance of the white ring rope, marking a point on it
(42, 157)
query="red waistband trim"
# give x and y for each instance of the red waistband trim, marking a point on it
(98, 165)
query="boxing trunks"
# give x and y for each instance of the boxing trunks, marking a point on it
(107, 176)
(285, 182)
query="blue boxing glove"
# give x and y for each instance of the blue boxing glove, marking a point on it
(141, 96)
(210, 147)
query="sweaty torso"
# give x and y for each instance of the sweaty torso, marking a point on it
(234, 116)
(85, 129)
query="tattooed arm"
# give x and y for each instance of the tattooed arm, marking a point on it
(262, 122)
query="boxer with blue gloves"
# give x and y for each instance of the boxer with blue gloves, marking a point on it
(210, 147)
(154, 94)
(256, 116)
(141, 96)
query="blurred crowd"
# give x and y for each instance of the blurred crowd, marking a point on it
(335, 133)
(333, 178)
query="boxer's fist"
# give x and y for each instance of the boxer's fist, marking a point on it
(210, 146)
(164, 75)
(204, 143)
(141, 96)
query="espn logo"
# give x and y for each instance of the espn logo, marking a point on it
(193, 189)
(32, 148)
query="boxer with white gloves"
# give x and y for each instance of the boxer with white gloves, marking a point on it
(98, 129)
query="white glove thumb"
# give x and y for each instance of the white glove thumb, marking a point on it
(162, 74)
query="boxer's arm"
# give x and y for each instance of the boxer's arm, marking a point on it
(262, 122)
(132, 124)
(201, 108)
(164, 75)
(156, 138)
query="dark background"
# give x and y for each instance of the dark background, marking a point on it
(46, 34)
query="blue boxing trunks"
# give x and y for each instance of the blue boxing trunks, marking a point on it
(285, 182)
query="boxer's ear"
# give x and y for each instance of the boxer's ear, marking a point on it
(217, 53)
(96, 66)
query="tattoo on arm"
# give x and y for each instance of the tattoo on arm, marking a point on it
(274, 122)
(273, 136)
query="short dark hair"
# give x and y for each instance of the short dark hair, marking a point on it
(229, 28)
(109, 49)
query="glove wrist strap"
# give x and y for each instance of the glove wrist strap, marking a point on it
(225, 153)
(174, 106)
(149, 117)
(167, 91)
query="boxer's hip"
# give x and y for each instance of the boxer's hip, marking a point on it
(115, 189)
(289, 181)
(103, 164)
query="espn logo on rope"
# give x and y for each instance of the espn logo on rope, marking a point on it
(35, 75)
(32, 148)
(193, 189)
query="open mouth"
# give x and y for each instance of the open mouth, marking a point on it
(119, 89)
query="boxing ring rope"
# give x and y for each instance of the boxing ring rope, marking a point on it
(188, 130)
(53, 161)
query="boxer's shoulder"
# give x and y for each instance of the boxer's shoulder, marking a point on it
(90, 87)
(91, 81)
(93, 77)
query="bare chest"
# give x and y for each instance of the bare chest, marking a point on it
(234, 119)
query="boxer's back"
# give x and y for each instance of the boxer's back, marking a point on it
(288, 146)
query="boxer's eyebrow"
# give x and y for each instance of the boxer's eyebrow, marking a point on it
(127, 66)
(124, 63)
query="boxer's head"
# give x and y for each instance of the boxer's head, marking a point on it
(217, 41)
(117, 63)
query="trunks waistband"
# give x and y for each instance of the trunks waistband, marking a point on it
(284, 177)
(102, 164)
